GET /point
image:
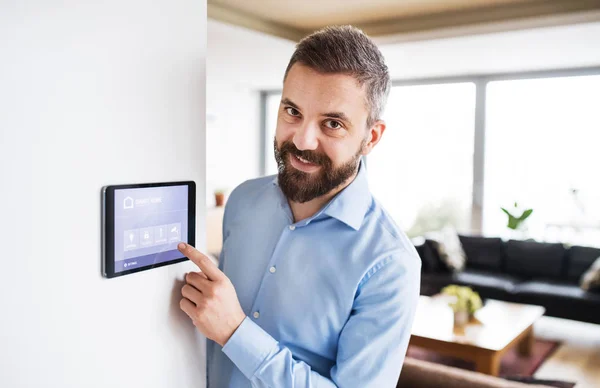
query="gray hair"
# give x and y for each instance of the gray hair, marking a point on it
(347, 50)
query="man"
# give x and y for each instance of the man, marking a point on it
(316, 286)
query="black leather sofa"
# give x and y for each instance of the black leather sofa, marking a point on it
(528, 272)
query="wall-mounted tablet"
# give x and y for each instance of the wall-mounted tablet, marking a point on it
(143, 223)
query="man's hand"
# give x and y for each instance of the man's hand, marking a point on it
(209, 298)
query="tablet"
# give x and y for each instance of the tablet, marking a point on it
(143, 223)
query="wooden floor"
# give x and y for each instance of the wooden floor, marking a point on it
(578, 358)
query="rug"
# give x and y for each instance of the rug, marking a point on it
(512, 364)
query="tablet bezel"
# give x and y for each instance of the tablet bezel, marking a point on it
(108, 225)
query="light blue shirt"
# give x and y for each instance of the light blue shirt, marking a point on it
(330, 300)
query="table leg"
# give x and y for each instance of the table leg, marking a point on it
(526, 345)
(488, 364)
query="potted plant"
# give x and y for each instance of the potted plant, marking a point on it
(516, 220)
(219, 197)
(464, 302)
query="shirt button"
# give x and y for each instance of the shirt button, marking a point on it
(292, 227)
(272, 269)
(256, 314)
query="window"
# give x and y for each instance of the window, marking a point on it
(542, 151)
(422, 171)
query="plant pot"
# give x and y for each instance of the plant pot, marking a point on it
(461, 318)
(518, 234)
(219, 199)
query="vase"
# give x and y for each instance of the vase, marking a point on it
(461, 318)
(219, 199)
(520, 234)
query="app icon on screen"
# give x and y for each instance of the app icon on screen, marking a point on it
(160, 234)
(128, 203)
(146, 237)
(130, 240)
(175, 232)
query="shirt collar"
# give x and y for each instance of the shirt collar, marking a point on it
(349, 205)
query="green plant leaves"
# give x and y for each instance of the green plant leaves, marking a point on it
(513, 221)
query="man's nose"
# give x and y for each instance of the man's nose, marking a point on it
(306, 137)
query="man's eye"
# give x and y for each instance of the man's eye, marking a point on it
(292, 111)
(332, 124)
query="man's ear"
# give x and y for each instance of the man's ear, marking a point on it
(374, 136)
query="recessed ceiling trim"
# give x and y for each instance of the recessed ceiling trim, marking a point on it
(501, 17)
(489, 14)
(490, 28)
(231, 16)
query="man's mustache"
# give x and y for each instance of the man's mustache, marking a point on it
(311, 156)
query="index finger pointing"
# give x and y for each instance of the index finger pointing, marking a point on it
(204, 263)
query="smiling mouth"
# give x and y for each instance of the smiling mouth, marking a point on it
(302, 164)
(305, 161)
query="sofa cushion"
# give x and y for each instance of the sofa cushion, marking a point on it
(483, 252)
(534, 259)
(485, 280)
(433, 282)
(560, 299)
(579, 260)
(568, 299)
(551, 289)
(487, 284)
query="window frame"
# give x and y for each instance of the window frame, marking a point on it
(481, 81)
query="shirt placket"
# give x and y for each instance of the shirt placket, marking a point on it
(271, 270)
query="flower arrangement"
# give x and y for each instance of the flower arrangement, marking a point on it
(465, 299)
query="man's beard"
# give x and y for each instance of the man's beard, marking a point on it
(299, 186)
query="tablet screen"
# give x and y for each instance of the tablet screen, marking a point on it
(148, 224)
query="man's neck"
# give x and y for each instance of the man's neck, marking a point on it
(302, 211)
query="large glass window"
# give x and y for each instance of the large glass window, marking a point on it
(542, 151)
(422, 170)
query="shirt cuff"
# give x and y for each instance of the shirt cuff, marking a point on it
(249, 347)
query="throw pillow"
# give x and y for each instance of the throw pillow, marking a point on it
(449, 248)
(590, 281)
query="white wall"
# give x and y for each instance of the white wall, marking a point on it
(94, 93)
(240, 63)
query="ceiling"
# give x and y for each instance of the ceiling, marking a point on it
(293, 19)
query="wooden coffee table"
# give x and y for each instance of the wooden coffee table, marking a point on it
(497, 327)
